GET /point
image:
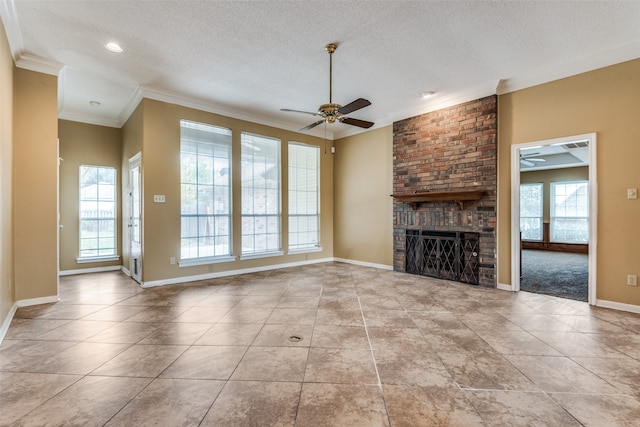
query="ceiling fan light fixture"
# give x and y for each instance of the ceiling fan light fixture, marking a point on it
(113, 47)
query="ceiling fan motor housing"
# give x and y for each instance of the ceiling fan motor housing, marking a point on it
(330, 111)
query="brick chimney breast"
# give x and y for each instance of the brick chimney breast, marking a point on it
(449, 150)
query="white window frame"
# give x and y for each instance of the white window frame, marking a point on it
(554, 216)
(304, 199)
(214, 184)
(259, 245)
(98, 217)
(540, 185)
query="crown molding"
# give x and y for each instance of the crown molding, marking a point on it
(590, 63)
(209, 107)
(130, 106)
(40, 65)
(89, 119)
(12, 28)
(16, 43)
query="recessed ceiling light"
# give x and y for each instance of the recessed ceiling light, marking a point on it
(113, 47)
(95, 103)
(427, 94)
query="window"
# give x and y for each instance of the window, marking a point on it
(304, 211)
(531, 211)
(570, 212)
(205, 200)
(260, 170)
(97, 212)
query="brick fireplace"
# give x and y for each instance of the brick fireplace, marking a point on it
(444, 181)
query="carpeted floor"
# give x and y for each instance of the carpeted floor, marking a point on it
(560, 274)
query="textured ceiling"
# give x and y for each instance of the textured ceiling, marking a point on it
(249, 59)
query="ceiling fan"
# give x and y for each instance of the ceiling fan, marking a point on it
(332, 112)
(527, 160)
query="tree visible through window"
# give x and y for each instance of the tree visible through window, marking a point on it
(531, 211)
(97, 211)
(304, 211)
(260, 185)
(570, 212)
(205, 200)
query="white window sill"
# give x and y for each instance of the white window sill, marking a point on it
(262, 255)
(205, 261)
(97, 259)
(305, 250)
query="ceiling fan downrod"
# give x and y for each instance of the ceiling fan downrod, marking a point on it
(329, 110)
(330, 48)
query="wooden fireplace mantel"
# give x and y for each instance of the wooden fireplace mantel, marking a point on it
(458, 196)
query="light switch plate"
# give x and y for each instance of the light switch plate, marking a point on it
(632, 193)
(158, 198)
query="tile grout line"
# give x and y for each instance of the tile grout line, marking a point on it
(306, 363)
(373, 357)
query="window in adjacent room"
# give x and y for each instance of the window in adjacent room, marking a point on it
(97, 213)
(570, 212)
(531, 211)
(260, 183)
(205, 198)
(304, 196)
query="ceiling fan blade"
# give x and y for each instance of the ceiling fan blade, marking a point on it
(353, 106)
(289, 110)
(356, 122)
(312, 125)
(527, 163)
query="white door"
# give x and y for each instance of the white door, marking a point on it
(135, 229)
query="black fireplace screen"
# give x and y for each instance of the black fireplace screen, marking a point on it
(446, 255)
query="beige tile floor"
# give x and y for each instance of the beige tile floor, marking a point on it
(323, 345)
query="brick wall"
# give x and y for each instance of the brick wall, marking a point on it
(446, 150)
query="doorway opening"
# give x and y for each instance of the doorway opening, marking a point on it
(554, 217)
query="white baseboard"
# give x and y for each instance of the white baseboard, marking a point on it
(618, 306)
(7, 322)
(126, 271)
(23, 303)
(90, 270)
(364, 264)
(503, 287)
(37, 301)
(217, 274)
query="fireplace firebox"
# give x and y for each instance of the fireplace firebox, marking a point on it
(445, 255)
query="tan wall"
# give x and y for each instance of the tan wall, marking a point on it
(84, 144)
(605, 101)
(161, 175)
(7, 297)
(363, 183)
(131, 145)
(35, 172)
(546, 177)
